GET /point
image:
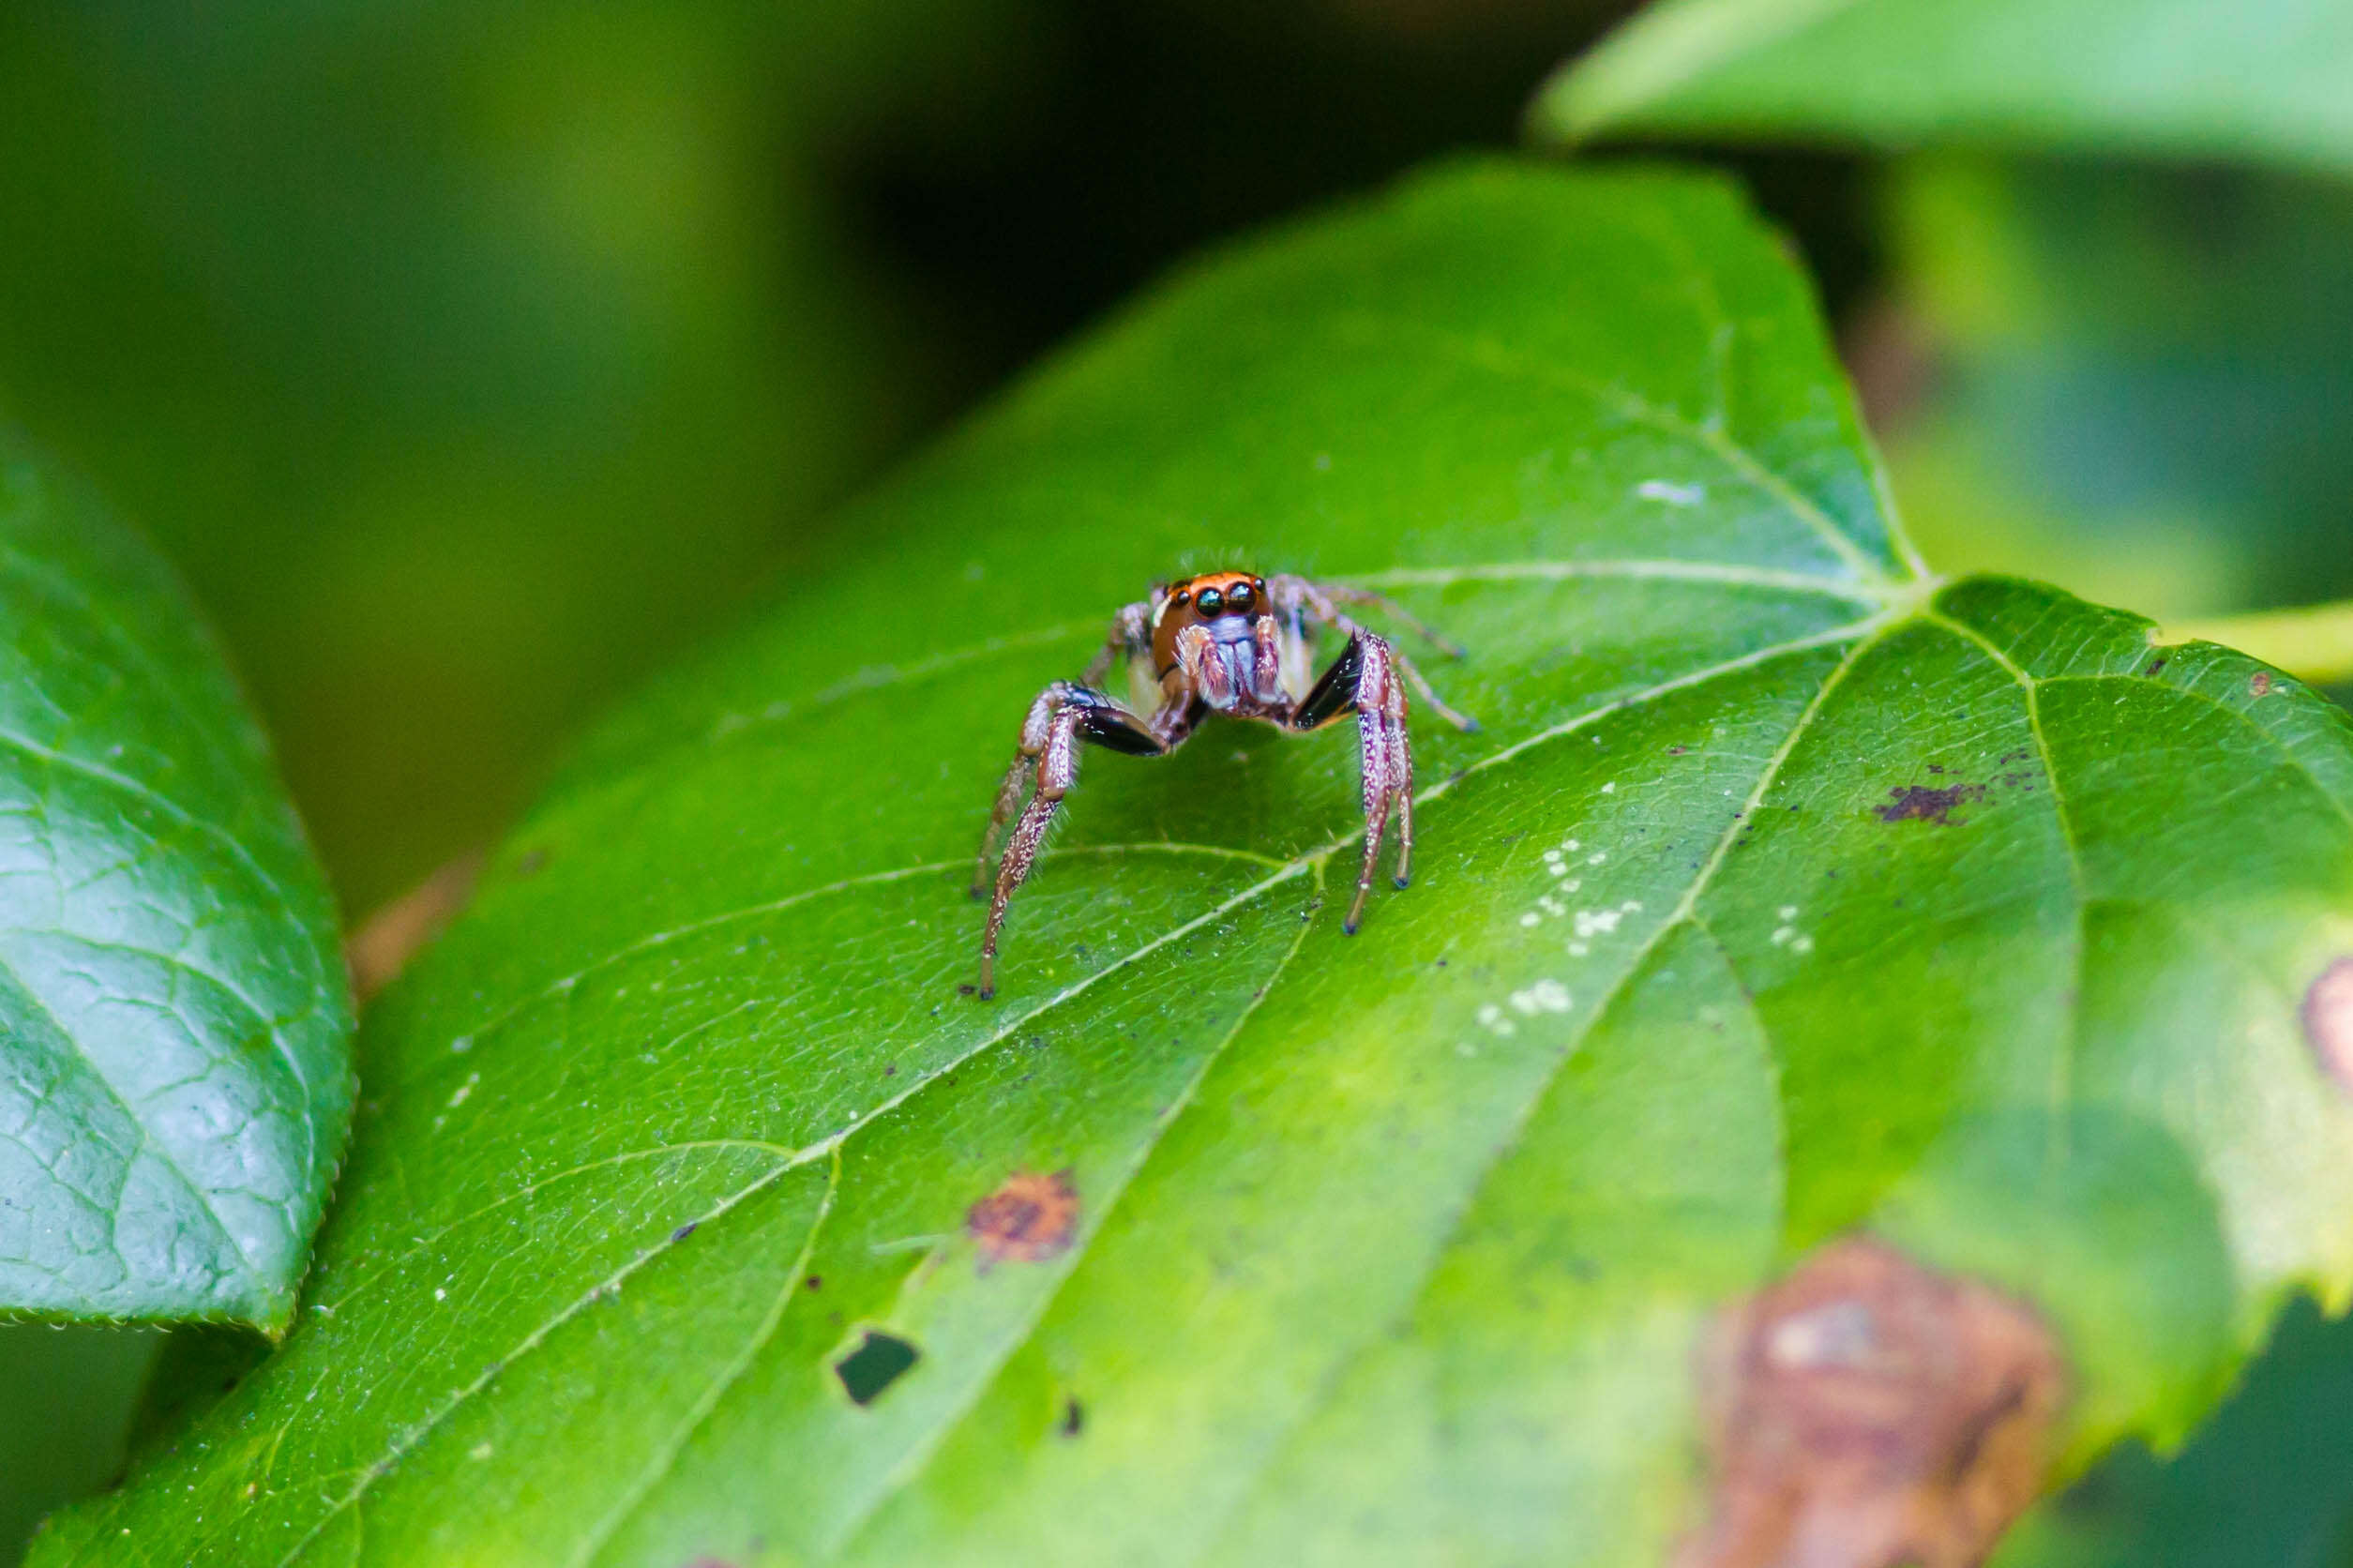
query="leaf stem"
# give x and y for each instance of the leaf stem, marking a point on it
(2312, 642)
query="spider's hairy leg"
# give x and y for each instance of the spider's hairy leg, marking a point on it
(1035, 730)
(1341, 593)
(1363, 680)
(1320, 602)
(1130, 638)
(1062, 716)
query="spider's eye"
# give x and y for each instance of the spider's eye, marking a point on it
(1210, 602)
(1179, 598)
(1239, 597)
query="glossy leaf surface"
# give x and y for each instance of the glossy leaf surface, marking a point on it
(1783, 893)
(2262, 81)
(175, 1031)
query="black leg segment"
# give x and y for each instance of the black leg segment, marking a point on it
(1335, 694)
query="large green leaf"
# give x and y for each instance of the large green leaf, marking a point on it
(175, 1030)
(1784, 892)
(2261, 80)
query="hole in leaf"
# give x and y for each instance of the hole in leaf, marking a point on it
(879, 1361)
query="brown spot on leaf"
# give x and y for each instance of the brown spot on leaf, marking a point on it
(1865, 1411)
(2259, 684)
(2327, 1014)
(385, 943)
(1922, 803)
(1027, 1220)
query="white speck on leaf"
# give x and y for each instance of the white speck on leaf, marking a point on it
(1672, 492)
(1544, 996)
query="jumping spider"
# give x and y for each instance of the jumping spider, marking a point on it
(1229, 642)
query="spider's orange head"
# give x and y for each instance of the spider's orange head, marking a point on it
(1226, 601)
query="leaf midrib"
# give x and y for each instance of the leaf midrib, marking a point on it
(1683, 913)
(147, 1140)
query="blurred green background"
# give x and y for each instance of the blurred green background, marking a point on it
(469, 360)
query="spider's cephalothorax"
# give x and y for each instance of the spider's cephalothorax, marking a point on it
(1229, 642)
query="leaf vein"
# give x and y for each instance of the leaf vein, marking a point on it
(1329, 1385)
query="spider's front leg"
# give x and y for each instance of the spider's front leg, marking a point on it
(1300, 601)
(1130, 636)
(1062, 716)
(1363, 680)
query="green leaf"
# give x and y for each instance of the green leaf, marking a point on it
(1782, 893)
(2263, 81)
(2153, 354)
(174, 1029)
(2265, 1482)
(77, 1386)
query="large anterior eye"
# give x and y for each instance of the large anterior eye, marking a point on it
(1210, 602)
(1238, 599)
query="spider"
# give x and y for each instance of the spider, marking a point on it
(1230, 642)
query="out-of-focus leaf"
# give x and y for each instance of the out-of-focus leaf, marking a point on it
(463, 356)
(2266, 1481)
(175, 1025)
(1785, 892)
(2262, 81)
(2139, 384)
(76, 1386)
